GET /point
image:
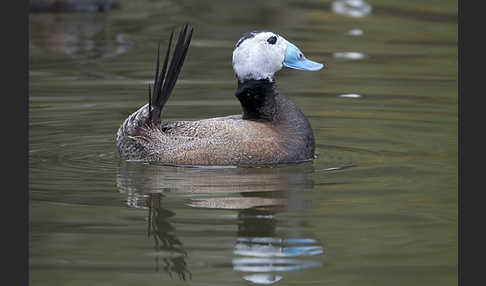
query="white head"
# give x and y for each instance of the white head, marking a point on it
(258, 55)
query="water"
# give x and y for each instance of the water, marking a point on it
(377, 207)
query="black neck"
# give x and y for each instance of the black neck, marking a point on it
(257, 98)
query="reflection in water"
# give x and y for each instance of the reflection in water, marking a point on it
(349, 95)
(168, 247)
(81, 36)
(260, 249)
(355, 32)
(165, 239)
(353, 8)
(265, 247)
(40, 6)
(350, 55)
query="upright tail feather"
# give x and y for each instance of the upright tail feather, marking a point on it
(164, 83)
(133, 136)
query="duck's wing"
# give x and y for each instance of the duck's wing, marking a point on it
(205, 128)
(181, 128)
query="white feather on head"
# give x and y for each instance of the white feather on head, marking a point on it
(254, 57)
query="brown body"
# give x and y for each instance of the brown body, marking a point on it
(230, 140)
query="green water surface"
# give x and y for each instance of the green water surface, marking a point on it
(377, 207)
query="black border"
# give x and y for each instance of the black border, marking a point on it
(471, 143)
(14, 135)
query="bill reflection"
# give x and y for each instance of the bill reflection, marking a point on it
(262, 253)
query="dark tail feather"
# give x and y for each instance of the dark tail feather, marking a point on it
(150, 101)
(163, 84)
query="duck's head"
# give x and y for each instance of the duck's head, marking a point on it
(259, 54)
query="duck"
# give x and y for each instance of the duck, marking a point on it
(271, 129)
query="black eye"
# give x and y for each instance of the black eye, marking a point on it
(300, 56)
(272, 40)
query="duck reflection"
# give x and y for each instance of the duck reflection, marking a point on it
(266, 246)
(166, 240)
